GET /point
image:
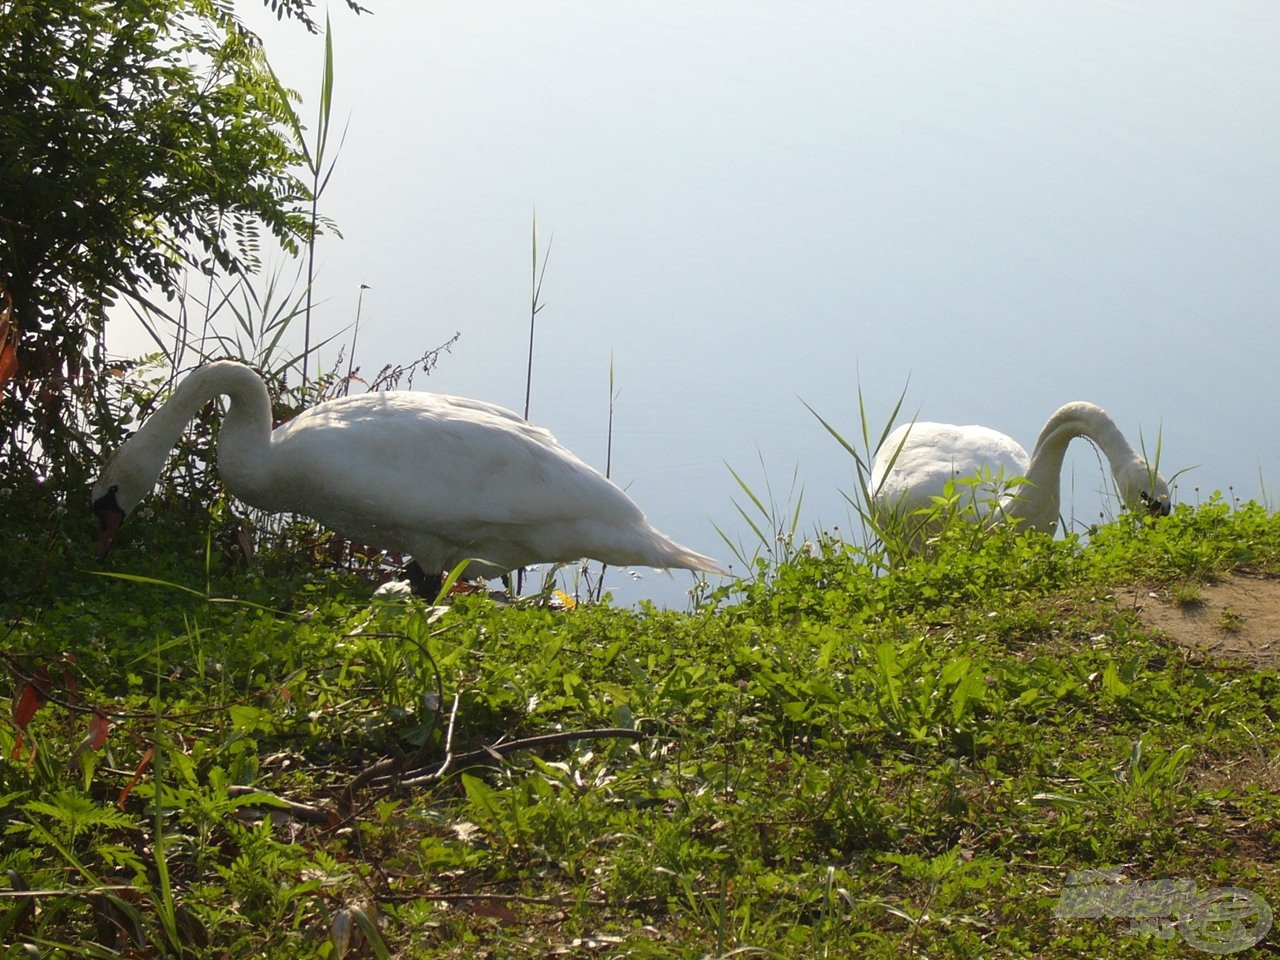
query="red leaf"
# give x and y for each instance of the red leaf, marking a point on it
(137, 775)
(16, 752)
(96, 738)
(32, 699)
(69, 682)
(99, 727)
(8, 338)
(8, 360)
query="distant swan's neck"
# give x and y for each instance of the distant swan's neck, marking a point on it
(1042, 502)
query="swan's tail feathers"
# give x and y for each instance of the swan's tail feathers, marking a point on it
(679, 557)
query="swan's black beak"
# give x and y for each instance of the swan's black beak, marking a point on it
(1156, 506)
(110, 516)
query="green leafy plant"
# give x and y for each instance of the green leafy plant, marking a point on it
(137, 142)
(837, 757)
(773, 524)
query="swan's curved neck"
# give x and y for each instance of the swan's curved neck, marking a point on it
(1068, 422)
(243, 439)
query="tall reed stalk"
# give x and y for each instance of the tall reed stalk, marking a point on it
(535, 307)
(315, 160)
(608, 464)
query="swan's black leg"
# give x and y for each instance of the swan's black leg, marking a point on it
(422, 584)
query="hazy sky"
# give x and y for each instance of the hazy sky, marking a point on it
(1011, 204)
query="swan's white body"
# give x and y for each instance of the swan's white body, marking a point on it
(916, 461)
(441, 478)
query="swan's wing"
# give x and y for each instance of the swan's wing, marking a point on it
(414, 460)
(929, 455)
(461, 406)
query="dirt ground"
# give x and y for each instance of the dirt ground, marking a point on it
(1237, 616)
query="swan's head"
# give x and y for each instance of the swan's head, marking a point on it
(1143, 490)
(110, 515)
(123, 484)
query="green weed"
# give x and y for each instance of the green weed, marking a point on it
(835, 756)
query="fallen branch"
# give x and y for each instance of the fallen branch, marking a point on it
(330, 818)
(516, 898)
(306, 812)
(396, 765)
(499, 750)
(70, 892)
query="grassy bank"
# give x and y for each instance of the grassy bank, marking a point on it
(828, 759)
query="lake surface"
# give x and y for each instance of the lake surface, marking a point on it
(999, 206)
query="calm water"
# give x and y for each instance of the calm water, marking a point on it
(1004, 208)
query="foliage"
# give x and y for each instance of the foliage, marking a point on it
(300, 10)
(1192, 542)
(842, 756)
(138, 139)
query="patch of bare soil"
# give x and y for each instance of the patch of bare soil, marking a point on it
(1237, 616)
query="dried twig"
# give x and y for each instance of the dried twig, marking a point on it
(516, 898)
(500, 750)
(306, 812)
(383, 769)
(69, 892)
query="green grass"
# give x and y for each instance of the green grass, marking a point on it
(840, 756)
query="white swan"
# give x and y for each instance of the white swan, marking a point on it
(916, 461)
(441, 478)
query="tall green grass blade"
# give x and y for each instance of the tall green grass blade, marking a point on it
(150, 581)
(372, 935)
(164, 904)
(745, 487)
(450, 579)
(317, 186)
(326, 95)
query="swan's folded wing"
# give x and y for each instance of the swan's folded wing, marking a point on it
(926, 456)
(424, 460)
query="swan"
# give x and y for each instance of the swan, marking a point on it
(916, 461)
(441, 478)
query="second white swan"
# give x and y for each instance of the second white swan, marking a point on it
(917, 460)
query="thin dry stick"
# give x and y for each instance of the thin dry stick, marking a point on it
(396, 765)
(384, 769)
(448, 738)
(306, 812)
(500, 750)
(69, 892)
(381, 771)
(516, 898)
